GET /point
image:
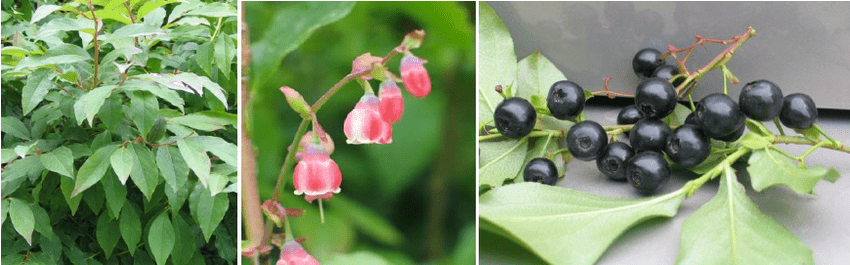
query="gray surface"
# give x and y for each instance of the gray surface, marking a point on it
(822, 222)
(801, 46)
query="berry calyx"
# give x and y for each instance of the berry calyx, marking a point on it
(688, 146)
(761, 100)
(718, 115)
(586, 139)
(514, 117)
(540, 170)
(668, 71)
(613, 160)
(649, 134)
(646, 61)
(655, 98)
(798, 111)
(565, 100)
(647, 171)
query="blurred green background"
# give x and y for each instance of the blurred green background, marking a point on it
(412, 201)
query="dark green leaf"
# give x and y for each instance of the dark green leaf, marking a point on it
(4, 209)
(37, 86)
(93, 197)
(196, 157)
(369, 222)
(207, 210)
(143, 110)
(115, 193)
(206, 120)
(107, 234)
(161, 238)
(22, 218)
(144, 174)
(60, 160)
(130, 227)
(67, 186)
(93, 169)
(15, 127)
(89, 104)
(184, 247)
(112, 114)
(172, 166)
(225, 49)
(204, 57)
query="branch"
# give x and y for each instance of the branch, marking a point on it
(806, 141)
(96, 46)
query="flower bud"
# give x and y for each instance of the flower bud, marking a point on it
(317, 176)
(415, 76)
(292, 253)
(364, 124)
(307, 139)
(391, 103)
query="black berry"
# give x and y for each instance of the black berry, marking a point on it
(718, 115)
(655, 98)
(733, 136)
(514, 117)
(565, 100)
(798, 111)
(646, 61)
(649, 134)
(541, 170)
(647, 171)
(687, 146)
(691, 119)
(586, 139)
(668, 71)
(613, 160)
(761, 100)
(629, 115)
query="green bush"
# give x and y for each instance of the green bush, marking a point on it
(135, 119)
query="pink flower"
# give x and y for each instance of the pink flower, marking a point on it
(291, 253)
(307, 139)
(316, 175)
(391, 101)
(364, 124)
(415, 76)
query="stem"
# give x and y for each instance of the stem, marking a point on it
(778, 126)
(252, 215)
(693, 185)
(817, 128)
(801, 140)
(96, 46)
(324, 99)
(691, 100)
(217, 27)
(812, 149)
(725, 89)
(289, 160)
(321, 214)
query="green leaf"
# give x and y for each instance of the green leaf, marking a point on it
(207, 210)
(144, 174)
(196, 157)
(37, 86)
(225, 50)
(535, 75)
(754, 141)
(62, 54)
(161, 238)
(184, 246)
(15, 127)
(174, 170)
(42, 12)
(60, 160)
(122, 163)
(768, 168)
(224, 150)
(500, 160)
(22, 218)
(204, 57)
(4, 209)
(294, 24)
(357, 257)
(677, 118)
(130, 227)
(93, 169)
(586, 224)
(132, 30)
(729, 229)
(496, 60)
(107, 234)
(144, 110)
(369, 222)
(115, 193)
(214, 10)
(151, 5)
(210, 120)
(89, 104)
(112, 114)
(67, 186)
(542, 148)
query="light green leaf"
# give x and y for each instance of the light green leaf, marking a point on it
(357, 257)
(67, 187)
(754, 141)
(677, 118)
(586, 224)
(93, 169)
(535, 75)
(22, 218)
(89, 104)
(62, 54)
(4, 209)
(210, 120)
(161, 238)
(107, 234)
(204, 56)
(130, 227)
(37, 86)
(14, 127)
(215, 89)
(184, 246)
(214, 10)
(132, 30)
(219, 147)
(60, 160)
(115, 193)
(122, 163)
(500, 160)
(42, 12)
(369, 222)
(207, 210)
(143, 110)
(170, 96)
(729, 229)
(768, 168)
(496, 60)
(23, 150)
(225, 50)
(196, 157)
(144, 173)
(172, 166)
(151, 5)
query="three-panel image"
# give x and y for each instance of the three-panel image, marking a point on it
(377, 132)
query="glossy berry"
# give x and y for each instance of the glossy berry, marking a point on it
(761, 100)
(649, 134)
(613, 160)
(565, 100)
(798, 111)
(687, 146)
(732, 136)
(647, 171)
(691, 119)
(668, 71)
(514, 117)
(655, 98)
(646, 61)
(718, 115)
(629, 115)
(586, 139)
(540, 170)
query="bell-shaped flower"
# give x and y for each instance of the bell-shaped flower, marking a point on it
(316, 176)
(391, 102)
(292, 253)
(364, 124)
(307, 139)
(415, 76)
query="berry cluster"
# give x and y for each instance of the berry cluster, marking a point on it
(642, 163)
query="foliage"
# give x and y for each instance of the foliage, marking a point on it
(381, 211)
(128, 107)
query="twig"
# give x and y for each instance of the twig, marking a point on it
(802, 140)
(96, 46)
(607, 91)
